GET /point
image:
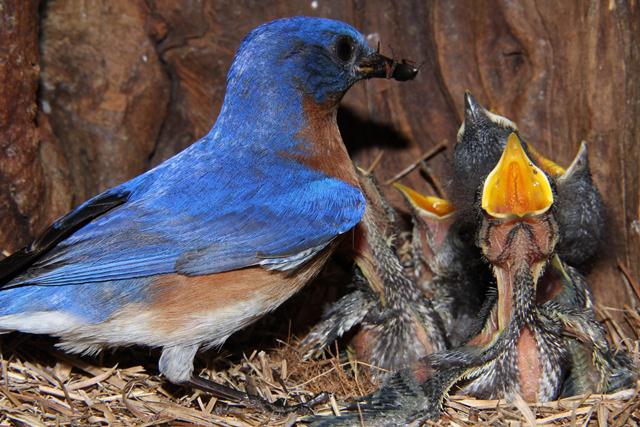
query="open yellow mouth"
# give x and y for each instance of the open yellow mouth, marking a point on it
(516, 186)
(547, 165)
(429, 205)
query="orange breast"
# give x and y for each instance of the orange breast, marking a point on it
(178, 298)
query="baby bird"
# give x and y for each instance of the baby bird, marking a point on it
(397, 323)
(540, 337)
(199, 247)
(580, 214)
(480, 142)
(593, 366)
(449, 265)
(517, 236)
(540, 326)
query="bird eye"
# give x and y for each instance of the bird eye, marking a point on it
(344, 48)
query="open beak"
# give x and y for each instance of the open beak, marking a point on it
(377, 65)
(429, 206)
(516, 187)
(549, 166)
(433, 218)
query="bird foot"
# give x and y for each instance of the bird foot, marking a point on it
(303, 408)
(257, 402)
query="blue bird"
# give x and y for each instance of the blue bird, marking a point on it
(199, 247)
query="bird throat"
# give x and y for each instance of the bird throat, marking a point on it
(321, 147)
(516, 248)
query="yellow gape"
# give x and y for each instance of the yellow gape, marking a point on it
(516, 187)
(430, 205)
(547, 165)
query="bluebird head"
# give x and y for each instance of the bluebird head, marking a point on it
(316, 57)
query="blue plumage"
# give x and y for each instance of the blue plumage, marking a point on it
(222, 213)
(216, 206)
(196, 248)
(89, 303)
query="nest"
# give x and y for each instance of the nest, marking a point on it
(41, 386)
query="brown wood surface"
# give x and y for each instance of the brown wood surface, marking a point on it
(125, 85)
(33, 180)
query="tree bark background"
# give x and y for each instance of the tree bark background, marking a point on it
(94, 93)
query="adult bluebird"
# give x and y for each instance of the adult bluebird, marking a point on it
(197, 248)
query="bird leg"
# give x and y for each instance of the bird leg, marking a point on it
(252, 401)
(343, 315)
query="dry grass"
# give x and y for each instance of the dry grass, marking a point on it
(618, 409)
(42, 386)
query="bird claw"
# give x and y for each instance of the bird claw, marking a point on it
(280, 407)
(253, 401)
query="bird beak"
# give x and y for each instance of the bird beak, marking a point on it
(429, 206)
(579, 165)
(549, 166)
(475, 113)
(377, 65)
(472, 109)
(433, 218)
(516, 187)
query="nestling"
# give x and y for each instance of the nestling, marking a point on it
(540, 338)
(397, 324)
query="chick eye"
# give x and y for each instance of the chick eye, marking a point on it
(344, 48)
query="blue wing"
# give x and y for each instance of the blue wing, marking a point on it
(198, 215)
